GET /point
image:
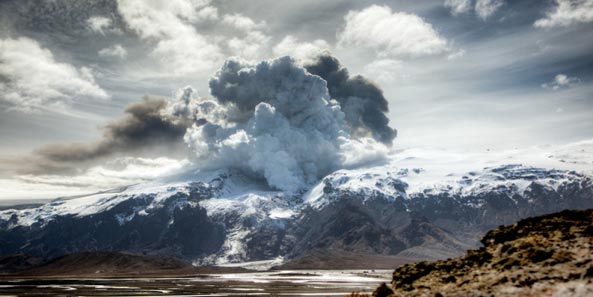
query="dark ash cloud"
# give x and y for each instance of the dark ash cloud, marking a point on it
(144, 130)
(361, 100)
(275, 121)
(144, 124)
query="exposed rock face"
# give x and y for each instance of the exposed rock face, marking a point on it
(377, 226)
(377, 213)
(546, 255)
(175, 228)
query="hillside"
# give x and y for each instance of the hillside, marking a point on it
(340, 259)
(18, 262)
(539, 256)
(107, 264)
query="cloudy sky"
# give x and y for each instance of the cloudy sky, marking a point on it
(83, 83)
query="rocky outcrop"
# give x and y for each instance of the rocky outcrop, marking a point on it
(546, 255)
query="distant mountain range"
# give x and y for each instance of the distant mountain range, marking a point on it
(419, 205)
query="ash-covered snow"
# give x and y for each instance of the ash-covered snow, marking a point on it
(421, 171)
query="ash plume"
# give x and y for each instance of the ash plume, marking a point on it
(142, 130)
(361, 100)
(276, 121)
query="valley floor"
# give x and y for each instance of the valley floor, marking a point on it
(270, 283)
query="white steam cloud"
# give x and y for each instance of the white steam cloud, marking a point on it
(272, 120)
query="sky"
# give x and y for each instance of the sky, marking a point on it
(83, 84)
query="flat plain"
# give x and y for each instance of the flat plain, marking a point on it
(269, 283)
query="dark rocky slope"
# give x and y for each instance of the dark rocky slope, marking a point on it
(539, 256)
(171, 230)
(104, 264)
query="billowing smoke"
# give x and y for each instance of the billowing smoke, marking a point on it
(278, 121)
(143, 130)
(361, 100)
(275, 120)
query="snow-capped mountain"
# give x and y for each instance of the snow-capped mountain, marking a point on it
(422, 204)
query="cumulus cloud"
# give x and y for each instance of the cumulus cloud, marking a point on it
(304, 51)
(561, 81)
(144, 129)
(275, 121)
(171, 24)
(182, 35)
(114, 51)
(242, 22)
(483, 8)
(486, 8)
(567, 13)
(31, 80)
(250, 46)
(391, 34)
(385, 70)
(251, 42)
(179, 46)
(458, 6)
(99, 24)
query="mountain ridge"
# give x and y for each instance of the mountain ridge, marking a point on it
(223, 217)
